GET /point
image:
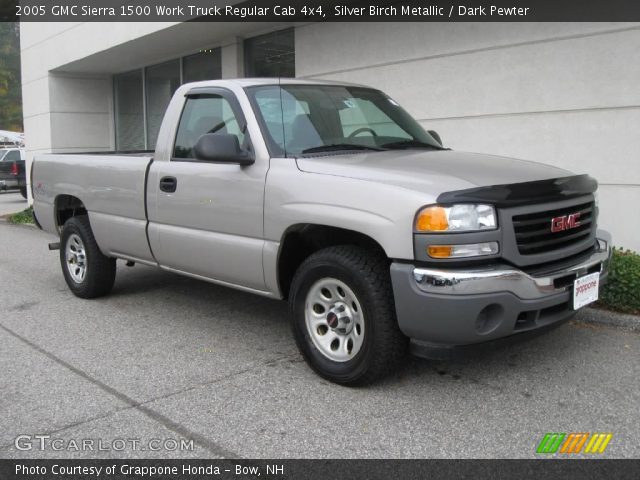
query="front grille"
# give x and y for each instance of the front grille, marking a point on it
(534, 235)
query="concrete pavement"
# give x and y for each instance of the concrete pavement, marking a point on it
(170, 358)
(11, 202)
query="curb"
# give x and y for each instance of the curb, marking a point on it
(599, 316)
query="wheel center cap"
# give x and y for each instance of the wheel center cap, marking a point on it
(339, 318)
(332, 320)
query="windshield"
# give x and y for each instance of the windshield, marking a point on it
(307, 119)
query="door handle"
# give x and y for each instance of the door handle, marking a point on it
(168, 184)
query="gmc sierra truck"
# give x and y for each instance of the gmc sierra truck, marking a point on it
(332, 197)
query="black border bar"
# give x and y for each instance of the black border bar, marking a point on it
(324, 469)
(351, 11)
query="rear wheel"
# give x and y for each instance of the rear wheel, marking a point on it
(23, 191)
(343, 315)
(88, 273)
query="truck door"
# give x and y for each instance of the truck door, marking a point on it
(205, 218)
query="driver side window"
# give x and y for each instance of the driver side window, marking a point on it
(204, 114)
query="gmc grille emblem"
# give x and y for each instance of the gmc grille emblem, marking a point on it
(566, 222)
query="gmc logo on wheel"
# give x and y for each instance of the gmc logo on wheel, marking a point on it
(566, 222)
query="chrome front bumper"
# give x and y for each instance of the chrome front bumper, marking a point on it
(504, 278)
(441, 308)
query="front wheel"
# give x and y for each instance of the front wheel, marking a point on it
(88, 273)
(343, 315)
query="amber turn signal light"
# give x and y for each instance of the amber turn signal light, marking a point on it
(432, 219)
(439, 251)
(463, 251)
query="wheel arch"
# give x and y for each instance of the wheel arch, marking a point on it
(67, 206)
(303, 239)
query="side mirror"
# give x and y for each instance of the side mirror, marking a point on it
(223, 148)
(435, 135)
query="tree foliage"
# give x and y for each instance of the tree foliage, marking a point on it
(10, 86)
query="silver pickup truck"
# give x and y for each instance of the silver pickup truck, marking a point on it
(332, 197)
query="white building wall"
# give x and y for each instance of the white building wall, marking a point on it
(557, 93)
(81, 113)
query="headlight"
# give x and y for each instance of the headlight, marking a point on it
(456, 218)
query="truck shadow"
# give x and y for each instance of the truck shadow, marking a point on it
(208, 306)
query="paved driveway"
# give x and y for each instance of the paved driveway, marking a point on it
(11, 202)
(166, 357)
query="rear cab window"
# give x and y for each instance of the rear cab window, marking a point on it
(12, 156)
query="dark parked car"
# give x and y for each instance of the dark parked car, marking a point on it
(12, 170)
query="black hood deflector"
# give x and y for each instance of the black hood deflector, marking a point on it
(526, 193)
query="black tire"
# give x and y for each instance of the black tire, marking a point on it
(367, 275)
(23, 192)
(100, 272)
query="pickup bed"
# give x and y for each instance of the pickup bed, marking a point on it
(332, 197)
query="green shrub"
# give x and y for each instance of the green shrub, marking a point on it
(25, 216)
(622, 290)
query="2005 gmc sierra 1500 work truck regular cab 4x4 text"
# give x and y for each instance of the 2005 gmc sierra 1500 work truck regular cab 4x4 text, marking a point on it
(332, 197)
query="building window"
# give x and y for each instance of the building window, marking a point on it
(159, 84)
(161, 81)
(129, 111)
(206, 65)
(271, 55)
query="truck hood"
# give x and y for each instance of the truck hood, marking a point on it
(430, 171)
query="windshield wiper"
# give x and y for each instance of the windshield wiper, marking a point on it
(340, 146)
(411, 144)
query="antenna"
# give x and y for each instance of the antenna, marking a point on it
(284, 138)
